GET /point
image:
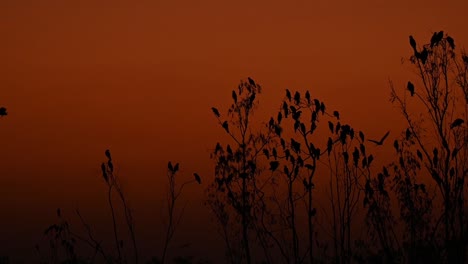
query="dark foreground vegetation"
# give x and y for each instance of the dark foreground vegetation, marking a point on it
(265, 195)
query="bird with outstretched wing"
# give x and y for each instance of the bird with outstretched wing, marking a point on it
(380, 143)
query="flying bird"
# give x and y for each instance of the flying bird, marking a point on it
(215, 111)
(410, 87)
(3, 111)
(197, 177)
(379, 143)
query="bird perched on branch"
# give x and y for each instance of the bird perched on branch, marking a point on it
(410, 87)
(412, 43)
(3, 111)
(197, 178)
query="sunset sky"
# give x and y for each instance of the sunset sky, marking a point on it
(139, 78)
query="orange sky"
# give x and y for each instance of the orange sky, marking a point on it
(139, 77)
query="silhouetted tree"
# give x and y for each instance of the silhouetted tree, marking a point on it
(173, 219)
(236, 170)
(438, 142)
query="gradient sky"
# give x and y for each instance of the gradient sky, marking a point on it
(139, 78)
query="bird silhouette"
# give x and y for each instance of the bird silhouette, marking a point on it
(436, 38)
(226, 126)
(234, 96)
(215, 111)
(197, 177)
(379, 143)
(288, 95)
(108, 155)
(458, 122)
(410, 87)
(274, 165)
(412, 43)
(408, 134)
(3, 111)
(336, 114)
(297, 97)
(440, 36)
(423, 55)
(251, 81)
(451, 42)
(307, 96)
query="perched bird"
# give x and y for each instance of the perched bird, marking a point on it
(451, 42)
(419, 154)
(288, 95)
(361, 136)
(108, 155)
(280, 117)
(274, 165)
(3, 111)
(215, 111)
(169, 166)
(251, 81)
(412, 43)
(226, 126)
(436, 38)
(379, 143)
(410, 87)
(307, 96)
(336, 114)
(433, 39)
(234, 96)
(423, 56)
(440, 36)
(297, 97)
(58, 212)
(285, 109)
(197, 178)
(458, 122)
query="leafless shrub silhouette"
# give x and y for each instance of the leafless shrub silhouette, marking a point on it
(435, 147)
